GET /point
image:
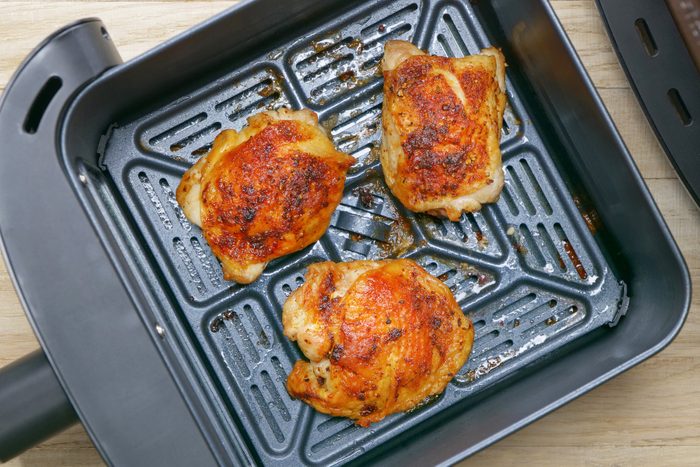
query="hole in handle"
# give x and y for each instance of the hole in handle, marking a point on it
(646, 37)
(678, 104)
(40, 104)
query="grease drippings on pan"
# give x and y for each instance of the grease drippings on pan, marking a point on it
(219, 320)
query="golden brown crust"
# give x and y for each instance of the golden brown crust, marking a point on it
(381, 336)
(265, 192)
(441, 121)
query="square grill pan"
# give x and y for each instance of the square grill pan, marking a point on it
(545, 273)
(526, 270)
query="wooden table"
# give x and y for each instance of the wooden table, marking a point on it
(649, 415)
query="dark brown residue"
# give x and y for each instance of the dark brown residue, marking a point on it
(318, 48)
(202, 150)
(589, 214)
(591, 219)
(176, 147)
(216, 324)
(400, 238)
(267, 91)
(562, 265)
(346, 75)
(520, 248)
(575, 259)
(277, 77)
(364, 195)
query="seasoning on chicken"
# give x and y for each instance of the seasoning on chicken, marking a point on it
(266, 191)
(381, 337)
(441, 124)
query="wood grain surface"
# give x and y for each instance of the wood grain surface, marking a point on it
(647, 416)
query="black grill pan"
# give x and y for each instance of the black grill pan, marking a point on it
(545, 274)
(527, 271)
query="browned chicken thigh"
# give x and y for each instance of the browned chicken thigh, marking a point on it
(441, 121)
(265, 191)
(381, 336)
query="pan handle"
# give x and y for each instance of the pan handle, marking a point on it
(33, 403)
(33, 406)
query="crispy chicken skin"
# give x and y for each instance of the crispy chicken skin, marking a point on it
(381, 336)
(441, 124)
(265, 191)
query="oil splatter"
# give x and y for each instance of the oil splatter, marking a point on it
(346, 75)
(424, 403)
(364, 195)
(575, 259)
(216, 324)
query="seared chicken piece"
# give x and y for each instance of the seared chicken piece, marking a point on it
(382, 336)
(442, 119)
(265, 191)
